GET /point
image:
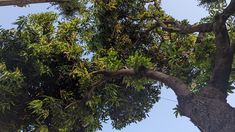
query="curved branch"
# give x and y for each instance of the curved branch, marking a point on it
(177, 85)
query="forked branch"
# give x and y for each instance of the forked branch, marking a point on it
(224, 50)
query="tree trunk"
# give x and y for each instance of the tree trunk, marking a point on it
(208, 110)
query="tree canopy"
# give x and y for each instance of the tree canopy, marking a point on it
(108, 60)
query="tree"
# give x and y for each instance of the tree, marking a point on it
(134, 50)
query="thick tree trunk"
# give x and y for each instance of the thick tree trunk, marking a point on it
(209, 111)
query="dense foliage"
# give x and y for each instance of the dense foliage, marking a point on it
(47, 70)
(57, 80)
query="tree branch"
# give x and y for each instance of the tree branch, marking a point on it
(177, 85)
(223, 56)
(26, 2)
(224, 50)
(205, 27)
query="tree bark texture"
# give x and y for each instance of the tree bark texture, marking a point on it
(208, 111)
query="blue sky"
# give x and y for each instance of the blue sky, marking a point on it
(161, 117)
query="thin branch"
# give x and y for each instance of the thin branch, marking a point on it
(177, 85)
(26, 2)
(94, 86)
(205, 27)
(88, 95)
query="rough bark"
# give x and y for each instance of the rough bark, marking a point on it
(208, 110)
(223, 57)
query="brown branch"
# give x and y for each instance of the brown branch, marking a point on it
(223, 55)
(93, 87)
(177, 85)
(205, 27)
(26, 2)
(88, 95)
(224, 50)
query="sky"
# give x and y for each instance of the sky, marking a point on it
(161, 117)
